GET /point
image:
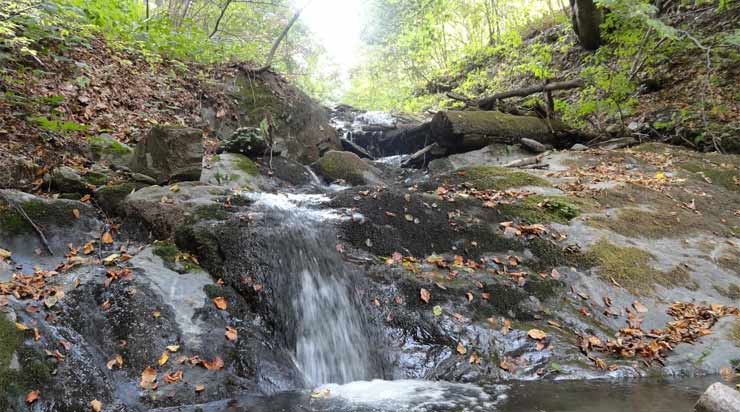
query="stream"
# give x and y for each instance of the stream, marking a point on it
(335, 345)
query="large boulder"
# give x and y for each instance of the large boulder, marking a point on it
(164, 209)
(107, 149)
(301, 127)
(234, 171)
(170, 154)
(248, 141)
(335, 165)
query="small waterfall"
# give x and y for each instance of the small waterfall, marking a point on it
(322, 314)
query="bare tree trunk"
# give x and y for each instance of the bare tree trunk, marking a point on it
(271, 55)
(220, 17)
(586, 22)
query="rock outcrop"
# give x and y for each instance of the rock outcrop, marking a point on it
(170, 154)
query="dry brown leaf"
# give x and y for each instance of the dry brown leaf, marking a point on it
(32, 396)
(220, 303)
(200, 388)
(148, 378)
(231, 334)
(461, 349)
(216, 364)
(76, 213)
(96, 405)
(425, 295)
(173, 377)
(117, 361)
(639, 307)
(536, 334)
(107, 238)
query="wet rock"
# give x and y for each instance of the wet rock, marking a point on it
(67, 180)
(170, 154)
(293, 172)
(719, 398)
(107, 149)
(579, 147)
(495, 154)
(15, 171)
(235, 171)
(348, 167)
(164, 209)
(247, 141)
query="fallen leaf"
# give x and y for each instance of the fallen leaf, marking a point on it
(231, 334)
(164, 358)
(469, 296)
(437, 310)
(639, 307)
(536, 334)
(461, 349)
(216, 364)
(425, 295)
(199, 388)
(117, 361)
(4, 254)
(76, 213)
(148, 378)
(220, 303)
(173, 348)
(21, 326)
(32, 396)
(88, 248)
(107, 238)
(96, 405)
(173, 377)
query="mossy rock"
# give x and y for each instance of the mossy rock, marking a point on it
(106, 147)
(42, 212)
(485, 177)
(633, 268)
(248, 141)
(545, 209)
(110, 198)
(173, 258)
(33, 373)
(336, 165)
(734, 333)
(725, 175)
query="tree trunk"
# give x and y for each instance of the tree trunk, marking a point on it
(471, 130)
(271, 55)
(586, 22)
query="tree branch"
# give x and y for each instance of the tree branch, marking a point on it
(220, 16)
(271, 55)
(490, 101)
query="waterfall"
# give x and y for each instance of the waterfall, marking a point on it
(323, 315)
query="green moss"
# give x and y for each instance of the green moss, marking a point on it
(721, 175)
(166, 250)
(335, 165)
(107, 146)
(41, 212)
(635, 223)
(247, 166)
(95, 178)
(629, 266)
(483, 177)
(34, 369)
(210, 212)
(550, 255)
(544, 209)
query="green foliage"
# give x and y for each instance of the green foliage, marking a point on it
(60, 126)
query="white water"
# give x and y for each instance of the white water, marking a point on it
(331, 341)
(412, 396)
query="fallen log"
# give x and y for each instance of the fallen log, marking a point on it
(470, 130)
(488, 103)
(719, 398)
(353, 147)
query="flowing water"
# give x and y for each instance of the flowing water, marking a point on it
(332, 342)
(331, 337)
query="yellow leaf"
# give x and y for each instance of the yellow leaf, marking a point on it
(88, 248)
(200, 387)
(111, 259)
(164, 358)
(461, 349)
(4, 254)
(107, 238)
(173, 348)
(21, 326)
(96, 405)
(660, 176)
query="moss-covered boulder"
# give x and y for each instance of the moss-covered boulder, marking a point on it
(110, 198)
(346, 166)
(107, 149)
(234, 171)
(68, 180)
(170, 154)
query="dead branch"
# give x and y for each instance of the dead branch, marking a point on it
(220, 17)
(490, 101)
(273, 50)
(25, 216)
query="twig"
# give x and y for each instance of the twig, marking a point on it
(25, 216)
